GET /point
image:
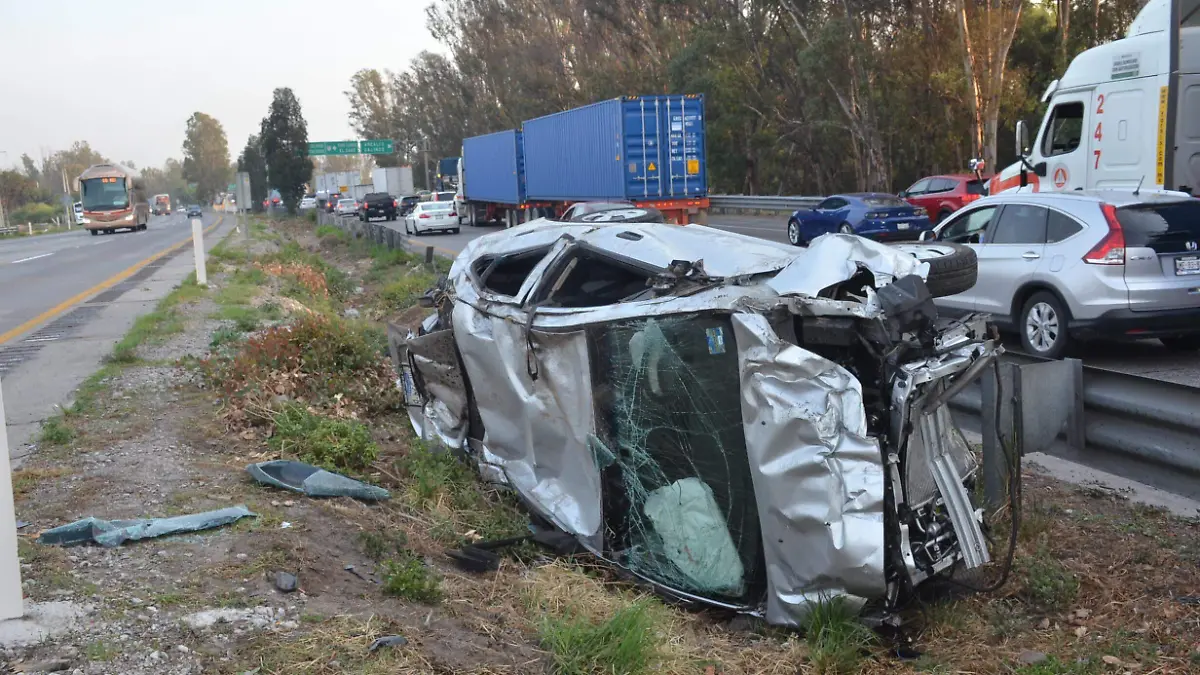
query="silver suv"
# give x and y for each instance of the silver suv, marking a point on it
(1057, 267)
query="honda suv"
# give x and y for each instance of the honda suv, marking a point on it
(1058, 267)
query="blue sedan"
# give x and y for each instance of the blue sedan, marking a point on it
(877, 216)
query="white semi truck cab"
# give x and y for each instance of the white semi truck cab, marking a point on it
(1125, 114)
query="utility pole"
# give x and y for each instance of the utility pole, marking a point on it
(67, 199)
(425, 154)
(2, 223)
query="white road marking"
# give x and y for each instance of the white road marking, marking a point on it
(35, 257)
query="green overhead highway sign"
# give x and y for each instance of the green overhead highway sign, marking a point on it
(378, 147)
(332, 148)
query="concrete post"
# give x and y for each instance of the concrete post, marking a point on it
(11, 603)
(198, 251)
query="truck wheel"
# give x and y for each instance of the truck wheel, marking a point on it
(629, 215)
(953, 268)
(94, 232)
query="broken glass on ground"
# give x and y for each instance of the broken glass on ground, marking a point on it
(312, 481)
(111, 533)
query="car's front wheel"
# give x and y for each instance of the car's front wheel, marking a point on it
(846, 229)
(1044, 326)
(794, 235)
(1181, 343)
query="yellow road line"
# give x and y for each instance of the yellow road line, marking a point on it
(107, 283)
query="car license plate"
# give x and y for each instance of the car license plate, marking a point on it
(903, 226)
(1188, 264)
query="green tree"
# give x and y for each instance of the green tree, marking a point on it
(205, 155)
(284, 140)
(17, 190)
(252, 162)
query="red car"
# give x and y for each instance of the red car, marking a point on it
(942, 195)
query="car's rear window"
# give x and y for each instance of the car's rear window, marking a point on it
(1172, 227)
(976, 187)
(884, 202)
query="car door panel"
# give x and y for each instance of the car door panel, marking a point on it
(1011, 255)
(965, 228)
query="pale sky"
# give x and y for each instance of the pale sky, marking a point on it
(125, 75)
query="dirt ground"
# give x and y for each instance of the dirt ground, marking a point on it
(1099, 584)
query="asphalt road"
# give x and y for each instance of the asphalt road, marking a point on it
(1143, 357)
(39, 274)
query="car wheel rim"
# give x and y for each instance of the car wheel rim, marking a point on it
(793, 233)
(926, 251)
(1041, 327)
(846, 229)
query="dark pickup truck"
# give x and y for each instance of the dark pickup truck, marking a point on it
(378, 205)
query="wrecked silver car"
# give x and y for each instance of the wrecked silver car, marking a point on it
(736, 422)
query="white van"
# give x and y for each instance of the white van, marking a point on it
(1125, 114)
(78, 213)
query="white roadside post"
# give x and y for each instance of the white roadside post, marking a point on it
(198, 250)
(11, 604)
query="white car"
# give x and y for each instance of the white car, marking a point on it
(347, 207)
(428, 216)
(308, 203)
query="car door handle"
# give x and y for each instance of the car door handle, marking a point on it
(1030, 255)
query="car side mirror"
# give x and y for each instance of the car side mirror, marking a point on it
(1040, 169)
(903, 194)
(927, 235)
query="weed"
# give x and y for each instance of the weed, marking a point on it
(337, 445)
(439, 483)
(224, 254)
(407, 577)
(246, 319)
(160, 323)
(837, 640)
(405, 291)
(378, 546)
(101, 651)
(25, 480)
(328, 231)
(56, 432)
(223, 336)
(88, 392)
(1052, 666)
(626, 643)
(1006, 619)
(312, 217)
(1049, 585)
(1036, 520)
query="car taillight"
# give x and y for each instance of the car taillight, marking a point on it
(395, 204)
(454, 213)
(424, 215)
(1111, 249)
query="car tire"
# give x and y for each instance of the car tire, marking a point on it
(793, 233)
(845, 228)
(953, 268)
(95, 233)
(1181, 343)
(454, 231)
(1044, 326)
(633, 214)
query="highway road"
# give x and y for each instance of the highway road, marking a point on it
(43, 275)
(1143, 357)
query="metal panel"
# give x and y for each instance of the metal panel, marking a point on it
(664, 140)
(493, 168)
(575, 154)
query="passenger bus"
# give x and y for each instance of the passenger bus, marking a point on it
(162, 205)
(112, 199)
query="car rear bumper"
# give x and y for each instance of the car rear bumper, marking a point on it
(893, 235)
(1130, 325)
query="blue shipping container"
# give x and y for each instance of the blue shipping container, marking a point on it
(634, 147)
(493, 168)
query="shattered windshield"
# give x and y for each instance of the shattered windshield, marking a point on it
(680, 506)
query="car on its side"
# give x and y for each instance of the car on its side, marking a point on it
(873, 215)
(941, 196)
(432, 216)
(346, 207)
(1062, 266)
(194, 211)
(378, 205)
(763, 446)
(308, 203)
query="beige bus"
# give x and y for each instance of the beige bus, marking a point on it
(113, 199)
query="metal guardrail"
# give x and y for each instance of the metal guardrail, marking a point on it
(1127, 425)
(758, 203)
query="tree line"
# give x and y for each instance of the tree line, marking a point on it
(277, 156)
(802, 96)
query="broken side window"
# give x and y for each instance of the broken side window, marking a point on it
(588, 278)
(679, 502)
(505, 274)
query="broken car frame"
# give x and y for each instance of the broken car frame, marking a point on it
(732, 421)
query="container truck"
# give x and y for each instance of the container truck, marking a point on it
(447, 173)
(1125, 115)
(394, 180)
(644, 150)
